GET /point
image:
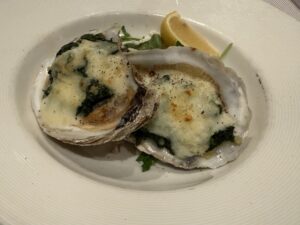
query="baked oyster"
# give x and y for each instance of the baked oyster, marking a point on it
(90, 95)
(203, 115)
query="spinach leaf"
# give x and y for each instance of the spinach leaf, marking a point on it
(146, 161)
(160, 141)
(89, 37)
(52, 75)
(165, 77)
(220, 107)
(220, 137)
(96, 93)
(108, 45)
(67, 47)
(82, 69)
(47, 91)
(93, 37)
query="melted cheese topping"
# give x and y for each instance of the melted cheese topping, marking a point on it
(189, 111)
(73, 71)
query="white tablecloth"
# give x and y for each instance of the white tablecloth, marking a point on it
(286, 6)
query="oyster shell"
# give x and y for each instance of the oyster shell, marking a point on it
(90, 95)
(203, 114)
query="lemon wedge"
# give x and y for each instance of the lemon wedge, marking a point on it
(173, 29)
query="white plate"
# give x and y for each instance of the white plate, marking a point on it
(44, 182)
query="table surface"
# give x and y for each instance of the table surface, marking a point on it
(287, 6)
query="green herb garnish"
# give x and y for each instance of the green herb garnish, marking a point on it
(154, 42)
(125, 36)
(146, 161)
(226, 50)
(96, 94)
(220, 137)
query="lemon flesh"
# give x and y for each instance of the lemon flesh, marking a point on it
(174, 29)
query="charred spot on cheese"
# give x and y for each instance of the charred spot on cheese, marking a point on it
(191, 114)
(88, 84)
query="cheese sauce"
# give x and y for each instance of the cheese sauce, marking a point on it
(190, 109)
(73, 71)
